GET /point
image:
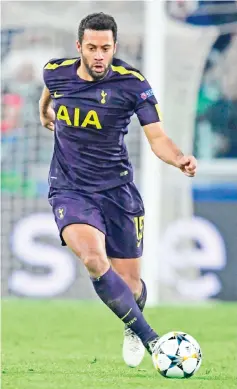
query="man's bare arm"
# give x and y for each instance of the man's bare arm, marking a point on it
(165, 149)
(47, 114)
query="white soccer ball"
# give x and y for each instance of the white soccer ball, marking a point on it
(177, 355)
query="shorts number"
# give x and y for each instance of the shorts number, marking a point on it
(139, 225)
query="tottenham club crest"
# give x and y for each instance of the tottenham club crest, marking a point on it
(60, 212)
(103, 95)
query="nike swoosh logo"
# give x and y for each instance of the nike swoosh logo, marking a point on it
(57, 95)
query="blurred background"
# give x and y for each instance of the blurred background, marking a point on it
(191, 65)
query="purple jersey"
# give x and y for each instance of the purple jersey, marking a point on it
(92, 118)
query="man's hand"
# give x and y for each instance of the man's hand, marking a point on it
(48, 118)
(188, 165)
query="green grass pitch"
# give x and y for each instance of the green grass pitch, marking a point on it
(74, 345)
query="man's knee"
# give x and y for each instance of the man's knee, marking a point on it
(95, 261)
(88, 244)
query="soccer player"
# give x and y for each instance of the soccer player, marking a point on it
(98, 209)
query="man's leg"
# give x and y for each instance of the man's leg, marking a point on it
(124, 216)
(88, 244)
(129, 271)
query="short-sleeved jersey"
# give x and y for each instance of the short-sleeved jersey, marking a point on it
(92, 118)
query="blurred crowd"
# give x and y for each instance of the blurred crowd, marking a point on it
(216, 121)
(26, 49)
(34, 32)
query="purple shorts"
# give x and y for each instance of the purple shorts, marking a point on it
(117, 212)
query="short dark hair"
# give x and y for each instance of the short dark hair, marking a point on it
(99, 22)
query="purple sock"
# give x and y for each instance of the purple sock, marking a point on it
(115, 293)
(141, 301)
